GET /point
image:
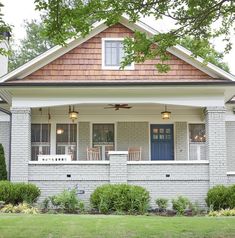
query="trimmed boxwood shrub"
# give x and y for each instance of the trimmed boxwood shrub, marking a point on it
(120, 198)
(221, 197)
(16, 193)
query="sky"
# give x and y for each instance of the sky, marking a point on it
(16, 11)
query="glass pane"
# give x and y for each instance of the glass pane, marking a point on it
(60, 150)
(113, 53)
(161, 137)
(197, 133)
(168, 131)
(46, 132)
(35, 132)
(63, 137)
(161, 131)
(155, 130)
(34, 152)
(66, 139)
(45, 150)
(155, 136)
(103, 133)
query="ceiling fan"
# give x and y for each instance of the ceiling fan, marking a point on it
(118, 106)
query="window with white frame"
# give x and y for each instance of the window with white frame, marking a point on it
(40, 140)
(197, 142)
(113, 53)
(66, 140)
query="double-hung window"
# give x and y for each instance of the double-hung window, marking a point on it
(40, 140)
(197, 142)
(113, 54)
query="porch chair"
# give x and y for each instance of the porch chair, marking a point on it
(93, 153)
(134, 153)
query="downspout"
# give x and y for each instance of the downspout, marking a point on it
(9, 164)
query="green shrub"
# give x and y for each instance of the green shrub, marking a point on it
(7, 192)
(217, 197)
(16, 193)
(120, 198)
(180, 204)
(67, 201)
(3, 169)
(231, 197)
(162, 203)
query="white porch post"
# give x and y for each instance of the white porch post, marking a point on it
(216, 145)
(20, 144)
(118, 166)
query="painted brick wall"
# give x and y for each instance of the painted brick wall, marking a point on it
(230, 139)
(231, 179)
(52, 178)
(5, 139)
(187, 180)
(83, 139)
(181, 141)
(20, 144)
(84, 63)
(118, 168)
(216, 145)
(133, 134)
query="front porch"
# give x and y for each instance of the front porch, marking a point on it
(55, 137)
(184, 155)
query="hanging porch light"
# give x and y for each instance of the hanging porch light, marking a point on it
(166, 114)
(73, 115)
(59, 131)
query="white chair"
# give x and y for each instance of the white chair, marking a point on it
(134, 153)
(93, 154)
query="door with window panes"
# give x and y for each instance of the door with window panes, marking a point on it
(40, 140)
(66, 140)
(162, 142)
(103, 138)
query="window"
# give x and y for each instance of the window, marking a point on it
(197, 142)
(103, 138)
(113, 53)
(40, 140)
(197, 133)
(66, 140)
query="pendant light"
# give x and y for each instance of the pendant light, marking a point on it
(73, 115)
(166, 114)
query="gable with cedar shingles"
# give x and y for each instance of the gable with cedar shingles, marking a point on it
(84, 63)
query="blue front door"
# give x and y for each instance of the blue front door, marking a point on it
(162, 142)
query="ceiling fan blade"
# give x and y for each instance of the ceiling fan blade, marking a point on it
(126, 107)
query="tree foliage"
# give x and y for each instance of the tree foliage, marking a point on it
(3, 170)
(205, 51)
(200, 19)
(4, 28)
(31, 46)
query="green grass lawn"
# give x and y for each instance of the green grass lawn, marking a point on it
(32, 226)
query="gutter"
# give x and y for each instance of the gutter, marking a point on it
(102, 84)
(9, 164)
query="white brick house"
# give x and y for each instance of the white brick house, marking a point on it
(184, 155)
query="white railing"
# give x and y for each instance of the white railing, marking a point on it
(54, 158)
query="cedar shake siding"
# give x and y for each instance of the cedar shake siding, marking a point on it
(84, 63)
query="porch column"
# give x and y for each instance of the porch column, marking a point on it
(118, 166)
(216, 145)
(20, 144)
